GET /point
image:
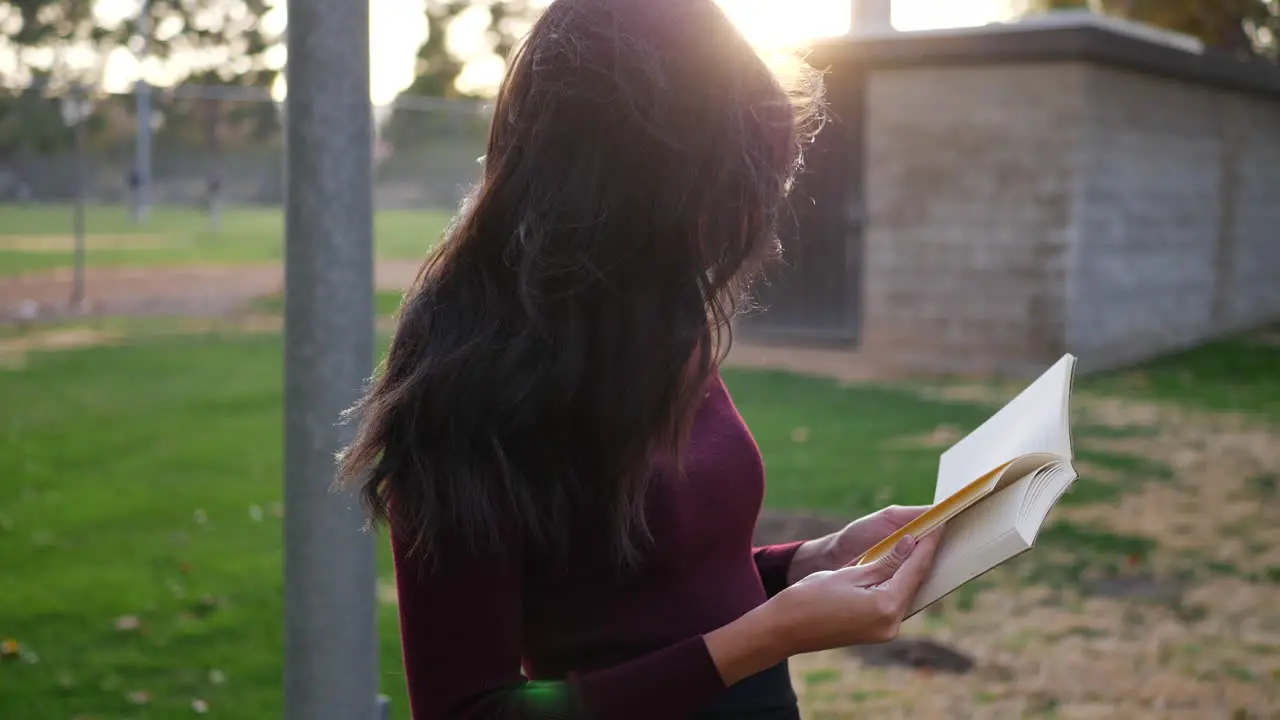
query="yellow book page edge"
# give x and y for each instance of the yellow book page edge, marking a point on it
(934, 517)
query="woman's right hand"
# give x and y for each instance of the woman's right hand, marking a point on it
(852, 606)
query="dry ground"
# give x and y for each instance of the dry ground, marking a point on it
(66, 243)
(200, 290)
(1192, 630)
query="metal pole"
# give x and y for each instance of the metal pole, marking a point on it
(142, 148)
(331, 651)
(80, 108)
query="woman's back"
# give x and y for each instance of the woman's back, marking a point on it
(701, 573)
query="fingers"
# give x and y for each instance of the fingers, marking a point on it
(886, 567)
(913, 572)
(899, 515)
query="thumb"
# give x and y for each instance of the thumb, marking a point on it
(881, 570)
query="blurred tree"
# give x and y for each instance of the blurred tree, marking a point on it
(55, 44)
(412, 128)
(223, 37)
(1246, 28)
(438, 69)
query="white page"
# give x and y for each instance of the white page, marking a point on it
(977, 540)
(1033, 422)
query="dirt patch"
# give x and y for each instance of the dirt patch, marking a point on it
(845, 365)
(14, 350)
(914, 653)
(996, 394)
(67, 243)
(197, 290)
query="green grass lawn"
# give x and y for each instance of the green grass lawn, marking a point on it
(385, 303)
(144, 481)
(1240, 374)
(246, 235)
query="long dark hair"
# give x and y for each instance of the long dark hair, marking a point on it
(557, 343)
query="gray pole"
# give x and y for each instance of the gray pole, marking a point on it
(331, 647)
(142, 148)
(81, 118)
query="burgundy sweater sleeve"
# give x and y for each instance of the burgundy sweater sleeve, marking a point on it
(461, 632)
(773, 562)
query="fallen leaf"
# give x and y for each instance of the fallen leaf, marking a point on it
(9, 647)
(139, 697)
(126, 623)
(277, 509)
(800, 435)
(185, 567)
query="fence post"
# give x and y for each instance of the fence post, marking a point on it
(331, 651)
(142, 149)
(80, 115)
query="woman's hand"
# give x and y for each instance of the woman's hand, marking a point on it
(838, 549)
(856, 605)
(826, 610)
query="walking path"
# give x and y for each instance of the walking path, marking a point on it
(188, 290)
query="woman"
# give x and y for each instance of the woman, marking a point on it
(569, 489)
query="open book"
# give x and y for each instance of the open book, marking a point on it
(996, 486)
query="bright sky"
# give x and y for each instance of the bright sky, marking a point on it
(398, 28)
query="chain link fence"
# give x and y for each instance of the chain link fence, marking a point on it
(216, 147)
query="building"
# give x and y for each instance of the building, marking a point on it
(985, 199)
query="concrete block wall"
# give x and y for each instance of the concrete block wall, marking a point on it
(1178, 217)
(1020, 210)
(971, 175)
(1147, 217)
(1252, 126)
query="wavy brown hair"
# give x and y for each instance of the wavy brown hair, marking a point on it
(556, 344)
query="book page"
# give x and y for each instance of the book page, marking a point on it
(1035, 421)
(977, 540)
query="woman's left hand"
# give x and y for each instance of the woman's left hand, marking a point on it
(841, 548)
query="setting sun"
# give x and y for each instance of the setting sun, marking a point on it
(781, 23)
(793, 22)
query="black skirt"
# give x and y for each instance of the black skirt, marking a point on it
(765, 696)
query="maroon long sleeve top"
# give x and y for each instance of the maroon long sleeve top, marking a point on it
(590, 642)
